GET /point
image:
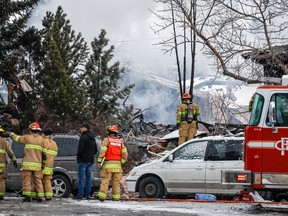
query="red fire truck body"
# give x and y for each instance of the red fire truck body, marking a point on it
(266, 143)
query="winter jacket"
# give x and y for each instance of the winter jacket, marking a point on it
(87, 148)
(33, 150)
(5, 149)
(51, 151)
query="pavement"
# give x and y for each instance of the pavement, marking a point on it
(12, 206)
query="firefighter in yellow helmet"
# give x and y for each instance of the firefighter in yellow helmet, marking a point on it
(32, 162)
(4, 151)
(186, 117)
(112, 156)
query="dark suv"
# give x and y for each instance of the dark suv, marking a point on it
(65, 179)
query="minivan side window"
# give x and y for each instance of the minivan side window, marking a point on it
(191, 151)
(67, 146)
(224, 149)
(18, 149)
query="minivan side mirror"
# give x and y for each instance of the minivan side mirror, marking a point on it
(170, 158)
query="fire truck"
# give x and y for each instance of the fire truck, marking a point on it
(265, 144)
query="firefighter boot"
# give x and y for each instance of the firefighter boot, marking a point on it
(27, 199)
(98, 198)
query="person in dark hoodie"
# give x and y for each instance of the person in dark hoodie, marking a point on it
(85, 159)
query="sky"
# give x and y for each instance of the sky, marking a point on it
(128, 25)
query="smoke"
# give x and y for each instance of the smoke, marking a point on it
(128, 26)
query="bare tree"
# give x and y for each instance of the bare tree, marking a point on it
(239, 35)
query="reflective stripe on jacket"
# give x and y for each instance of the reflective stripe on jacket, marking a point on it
(33, 150)
(50, 151)
(5, 149)
(114, 149)
(112, 165)
(181, 114)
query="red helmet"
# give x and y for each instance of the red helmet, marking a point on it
(34, 126)
(186, 96)
(113, 128)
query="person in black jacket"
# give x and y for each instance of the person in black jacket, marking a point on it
(85, 159)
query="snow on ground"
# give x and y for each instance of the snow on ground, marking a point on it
(179, 208)
(70, 207)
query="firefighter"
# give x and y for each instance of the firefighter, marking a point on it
(4, 150)
(112, 156)
(50, 151)
(186, 119)
(32, 162)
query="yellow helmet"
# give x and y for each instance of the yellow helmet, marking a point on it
(1, 129)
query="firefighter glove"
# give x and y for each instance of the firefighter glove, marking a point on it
(15, 164)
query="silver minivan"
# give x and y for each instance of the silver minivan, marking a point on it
(65, 180)
(193, 167)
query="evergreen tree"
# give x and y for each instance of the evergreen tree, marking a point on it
(102, 83)
(59, 79)
(13, 19)
(14, 37)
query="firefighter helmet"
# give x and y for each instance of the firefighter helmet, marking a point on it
(186, 96)
(113, 128)
(34, 126)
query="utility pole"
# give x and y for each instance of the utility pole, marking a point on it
(184, 58)
(176, 50)
(193, 45)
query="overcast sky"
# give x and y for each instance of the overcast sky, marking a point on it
(128, 26)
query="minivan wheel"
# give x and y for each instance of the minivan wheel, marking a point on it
(151, 187)
(61, 186)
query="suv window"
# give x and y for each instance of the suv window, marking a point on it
(192, 151)
(66, 146)
(18, 149)
(224, 149)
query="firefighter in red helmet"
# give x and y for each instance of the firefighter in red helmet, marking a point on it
(31, 170)
(112, 156)
(186, 118)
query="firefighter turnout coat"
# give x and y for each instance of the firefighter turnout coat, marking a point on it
(186, 117)
(32, 162)
(113, 155)
(4, 150)
(50, 151)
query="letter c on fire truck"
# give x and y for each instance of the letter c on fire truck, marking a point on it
(282, 145)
